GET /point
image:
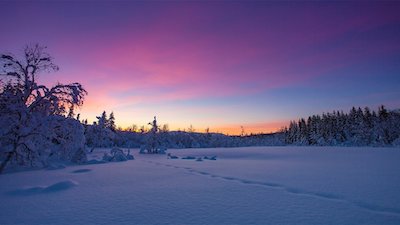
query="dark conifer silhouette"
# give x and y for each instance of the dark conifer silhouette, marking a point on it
(357, 128)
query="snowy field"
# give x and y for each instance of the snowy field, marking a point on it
(260, 185)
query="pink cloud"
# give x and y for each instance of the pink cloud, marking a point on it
(191, 51)
(170, 54)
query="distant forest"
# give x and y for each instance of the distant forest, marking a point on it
(103, 133)
(356, 128)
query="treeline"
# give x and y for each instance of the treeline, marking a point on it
(359, 127)
(182, 139)
(102, 133)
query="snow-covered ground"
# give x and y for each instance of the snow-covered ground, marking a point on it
(260, 185)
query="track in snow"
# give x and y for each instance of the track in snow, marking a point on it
(290, 190)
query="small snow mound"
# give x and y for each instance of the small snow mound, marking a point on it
(27, 191)
(189, 157)
(81, 171)
(95, 161)
(117, 155)
(147, 150)
(55, 166)
(169, 156)
(143, 150)
(211, 157)
(60, 186)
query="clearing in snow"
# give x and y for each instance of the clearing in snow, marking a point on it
(258, 185)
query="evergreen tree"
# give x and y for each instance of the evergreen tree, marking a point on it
(111, 122)
(102, 120)
(99, 134)
(153, 143)
(358, 127)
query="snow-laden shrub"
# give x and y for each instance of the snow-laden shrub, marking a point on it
(38, 140)
(117, 155)
(68, 140)
(98, 136)
(170, 156)
(143, 150)
(24, 143)
(153, 144)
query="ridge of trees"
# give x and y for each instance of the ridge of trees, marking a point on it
(357, 128)
(162, 137)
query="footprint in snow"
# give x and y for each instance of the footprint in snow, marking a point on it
(296, 191)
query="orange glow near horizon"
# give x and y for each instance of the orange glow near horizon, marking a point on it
(255, 128)
(232, 129)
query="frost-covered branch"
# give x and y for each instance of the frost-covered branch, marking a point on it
(22, 75)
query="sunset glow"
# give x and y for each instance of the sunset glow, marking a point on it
(220, 65)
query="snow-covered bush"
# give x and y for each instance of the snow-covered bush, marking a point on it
(129, 156)
(67, 138)
(102, 132)
(37, 140)
(117, 155)
(97, 136)
(153, 144)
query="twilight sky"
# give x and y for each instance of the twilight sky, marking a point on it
(215, 64)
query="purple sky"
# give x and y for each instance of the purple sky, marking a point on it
(215, 64)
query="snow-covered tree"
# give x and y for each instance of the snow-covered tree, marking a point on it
(22, 74)
(28, 109)
(102, 120)
(100, 134)
(153, 144)
(111, 122)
